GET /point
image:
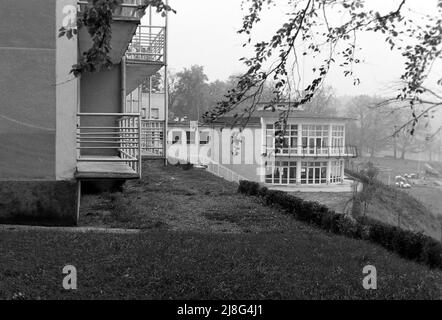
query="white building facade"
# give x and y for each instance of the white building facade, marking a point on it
(307, 150)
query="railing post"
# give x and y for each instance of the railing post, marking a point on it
(78, 137)
(140, 158)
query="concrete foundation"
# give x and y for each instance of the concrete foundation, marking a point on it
(46, 203)
(99, 186)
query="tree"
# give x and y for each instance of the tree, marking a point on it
(218, 89)
(172, 81)
(190, 93)
(157, 83)
(310, 30)
(406, 142)
(371, 129)
(324, 102)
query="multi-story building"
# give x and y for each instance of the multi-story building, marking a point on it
(58, 131)
(305, 149)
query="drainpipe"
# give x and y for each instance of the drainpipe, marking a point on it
(329, 146)
(166, 87)
(149, 112)
(123, 84)
(262, 159)
(299, 152)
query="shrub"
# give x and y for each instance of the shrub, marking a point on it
(274, 197)
(327, 221)
(432, 253)
(262, 192)
(408, 244)
(304, 211)
(242, 188)
(349, 228)
(382, 234)
(248, 187)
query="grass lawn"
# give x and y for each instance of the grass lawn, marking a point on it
(431, 197)
(303, 264)
(170, 198)
(201, 240)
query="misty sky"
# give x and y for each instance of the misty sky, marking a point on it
(204, 32)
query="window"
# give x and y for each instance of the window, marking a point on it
(176, 137)
(337, 142)
(190, 137)
(204, 137)
(315, 139)
(155, 113)
(314, 172)
(275, 144)
(281, 172)
(336, 171)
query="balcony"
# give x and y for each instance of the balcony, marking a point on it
(302, 151)
(145, 55)
(129, 9)
(126, 19)
(152, 141)
(108, 146)
(148, 45)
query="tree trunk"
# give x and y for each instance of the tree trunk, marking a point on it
(403, 154)
(395, 148)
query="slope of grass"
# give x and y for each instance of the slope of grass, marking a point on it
(170, 198)
(429, 194)
(403, 207)
(201, 240)
(398, 208)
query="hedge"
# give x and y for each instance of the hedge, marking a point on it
(407, 244)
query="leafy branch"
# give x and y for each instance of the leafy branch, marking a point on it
(310, 30)
(97, 18)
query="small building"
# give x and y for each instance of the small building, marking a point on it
(304, 150)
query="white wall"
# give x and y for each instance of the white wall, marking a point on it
(66, 95)
(156, 101)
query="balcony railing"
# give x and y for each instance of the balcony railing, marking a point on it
(302, 151)
(128, 8)
(110, 138)
(148, 45)
(152, 138)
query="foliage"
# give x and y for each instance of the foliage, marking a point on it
(97, 18)
(380, 126)
(157, 83)
(371, 131)
(191, 94)
(309, 30)
(371, 171)
(190, 91)
(407, 244)
(249, 188)
(324, 102)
